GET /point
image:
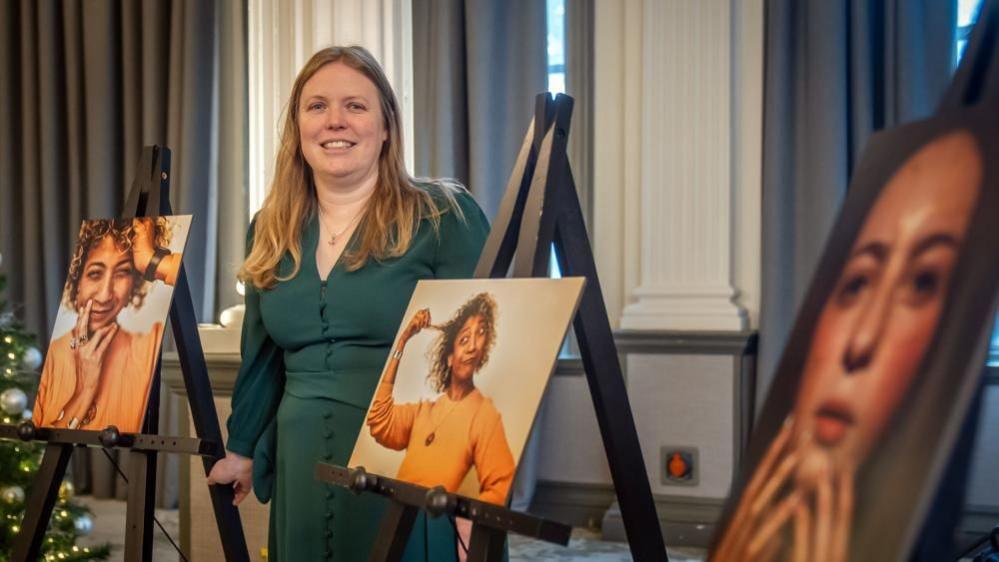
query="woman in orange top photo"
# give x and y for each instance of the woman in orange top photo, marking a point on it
(462, 428)
(98, 374)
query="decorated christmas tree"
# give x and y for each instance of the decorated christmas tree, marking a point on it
(19, 461)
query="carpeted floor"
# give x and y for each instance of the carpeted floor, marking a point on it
(109, 525)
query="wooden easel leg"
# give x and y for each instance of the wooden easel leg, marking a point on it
(141, 500)
(199, 394)
(44, 493)
(486, 544)
(607, 388)
(394, 533)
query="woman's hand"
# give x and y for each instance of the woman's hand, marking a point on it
(90, 350)
(144, 243)
(797, 506)
(419, 321)
(236, 470)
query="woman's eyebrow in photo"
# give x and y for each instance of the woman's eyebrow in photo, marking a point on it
(937, 239)
(876, 249)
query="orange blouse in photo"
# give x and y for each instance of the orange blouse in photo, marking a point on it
(124, 388)
(466, 433)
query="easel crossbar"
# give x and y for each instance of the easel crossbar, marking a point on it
(486, 514)
(133, 441)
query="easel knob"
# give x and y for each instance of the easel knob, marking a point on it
(110, 436)
(439, 501)
(26, 430)
(361, 481)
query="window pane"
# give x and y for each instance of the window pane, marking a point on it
(994, 347)
(967, 14)
(556, 46)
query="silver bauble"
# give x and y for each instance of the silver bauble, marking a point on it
(32, 359)
(13, 401)
(12, 494)
(83, 524)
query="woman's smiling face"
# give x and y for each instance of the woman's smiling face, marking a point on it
(341, 125)
(874, 328)
(107, 279)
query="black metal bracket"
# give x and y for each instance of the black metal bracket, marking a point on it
(149, 197)
(491, 523)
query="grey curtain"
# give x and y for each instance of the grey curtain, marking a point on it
(834, 73)
(579, 85)
(86, 84)
(477, 65)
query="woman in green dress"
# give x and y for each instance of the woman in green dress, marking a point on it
(333, 256)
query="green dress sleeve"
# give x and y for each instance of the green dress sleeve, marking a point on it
(461, 239)
(260, 381)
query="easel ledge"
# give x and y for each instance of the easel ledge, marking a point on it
(111, 438)
(437, 502)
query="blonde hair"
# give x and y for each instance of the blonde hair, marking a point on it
(393, 213)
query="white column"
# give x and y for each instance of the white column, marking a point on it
(692, 145)
(283, 35)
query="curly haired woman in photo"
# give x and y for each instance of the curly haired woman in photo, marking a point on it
(98, 374)
(461, 428)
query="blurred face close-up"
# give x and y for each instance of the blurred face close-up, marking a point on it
(874, 328)
(106, 279)
(469, 347)
(341, 125)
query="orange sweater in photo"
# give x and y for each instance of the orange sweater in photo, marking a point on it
(124, 388)
(467, 433)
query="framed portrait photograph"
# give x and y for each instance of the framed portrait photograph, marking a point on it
(461, 387)
(886, 353)
(109, 327)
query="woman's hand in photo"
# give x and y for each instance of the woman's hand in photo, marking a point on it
(144, 243)
(90, 349)
(236, 470)
(419, 321)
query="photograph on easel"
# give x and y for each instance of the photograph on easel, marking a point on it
(884, 358)
(463, 383)
(109, 328)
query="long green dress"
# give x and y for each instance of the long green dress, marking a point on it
(312, 354)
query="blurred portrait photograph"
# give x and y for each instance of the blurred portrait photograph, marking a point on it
(106, 341)
(463, 382)
(886, 353)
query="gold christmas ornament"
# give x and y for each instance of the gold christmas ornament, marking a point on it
(66, 491)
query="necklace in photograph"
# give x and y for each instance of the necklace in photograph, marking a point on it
(433, 433)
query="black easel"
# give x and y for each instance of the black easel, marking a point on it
(540, 208)
(976, 80)
(149, 197)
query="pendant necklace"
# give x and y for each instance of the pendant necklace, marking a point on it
(433, 433)
(335, 236)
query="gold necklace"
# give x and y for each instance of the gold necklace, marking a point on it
(433, 433)
(335, 236)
